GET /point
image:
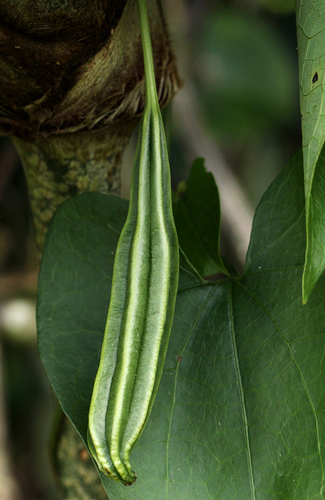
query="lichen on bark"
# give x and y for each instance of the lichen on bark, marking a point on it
(59, 167)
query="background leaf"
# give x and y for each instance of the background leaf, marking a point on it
(311, 50)
(246, 75)
(239, 414)
(315, 223)
(277, 6)
(198, 220)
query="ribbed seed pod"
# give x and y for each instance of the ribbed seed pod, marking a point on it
(143, 295)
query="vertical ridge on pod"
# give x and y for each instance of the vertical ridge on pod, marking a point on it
(144, 289)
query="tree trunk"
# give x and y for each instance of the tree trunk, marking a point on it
(59, 167)
(71, 92)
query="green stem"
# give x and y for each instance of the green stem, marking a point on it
(151, 90)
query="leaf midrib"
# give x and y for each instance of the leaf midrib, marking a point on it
(241, 389)
(197, 317)
(304, 384)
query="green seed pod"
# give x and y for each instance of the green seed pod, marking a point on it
(143, 296)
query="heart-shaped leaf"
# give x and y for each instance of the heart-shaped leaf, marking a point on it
(239, 414)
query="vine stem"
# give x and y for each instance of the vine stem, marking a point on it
(151, 92)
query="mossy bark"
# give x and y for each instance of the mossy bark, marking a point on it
(59, 167)
(71, 92)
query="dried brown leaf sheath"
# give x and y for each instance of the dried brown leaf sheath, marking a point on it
(73, 65)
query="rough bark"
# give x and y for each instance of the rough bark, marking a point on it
(77, 476)
(59, 167)
(71, 92)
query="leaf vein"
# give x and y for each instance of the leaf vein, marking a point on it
(304, 383)
(249, 455)
(207, 300)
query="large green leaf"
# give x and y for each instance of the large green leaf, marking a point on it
(311, 50)
(239, 414)
(198, 220)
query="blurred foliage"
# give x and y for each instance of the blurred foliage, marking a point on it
(247, 77)
(30, 406)
(241, 60)
(278, 6)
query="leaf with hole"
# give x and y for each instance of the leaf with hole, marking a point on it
(311, 51)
